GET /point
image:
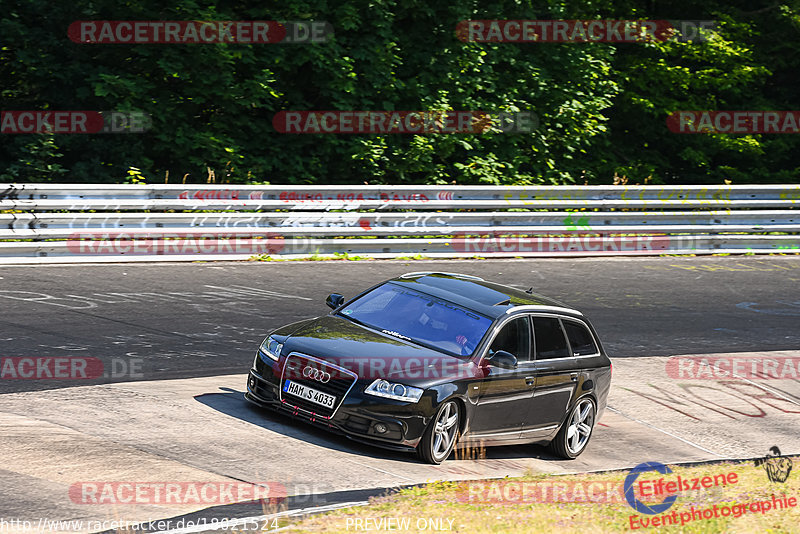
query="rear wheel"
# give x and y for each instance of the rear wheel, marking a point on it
(574, 435)
(440, 437)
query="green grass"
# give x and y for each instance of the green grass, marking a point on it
(439, 500)
(336, 256)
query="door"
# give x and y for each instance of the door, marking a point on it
(556, 373)
(505, 394)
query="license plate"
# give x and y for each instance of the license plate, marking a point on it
(309, 394)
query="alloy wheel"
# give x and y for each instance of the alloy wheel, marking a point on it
(444, 431)
(580, 426)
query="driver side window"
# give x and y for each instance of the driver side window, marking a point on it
(515, 338)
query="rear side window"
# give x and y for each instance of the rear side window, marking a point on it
(580, 339)
(549, 339)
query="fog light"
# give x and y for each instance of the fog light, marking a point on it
(380, 428)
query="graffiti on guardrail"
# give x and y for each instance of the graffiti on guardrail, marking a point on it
(643, 194)
(370, 197)
(581, 223)
(306, 220)
(294, 196)
(212, 194)
(450, 220)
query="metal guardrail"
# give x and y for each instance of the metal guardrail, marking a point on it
(51, 223)
(317, 193)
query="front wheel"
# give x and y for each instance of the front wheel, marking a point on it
(440, 437)
(574, 435)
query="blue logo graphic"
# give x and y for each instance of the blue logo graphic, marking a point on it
(638, 505)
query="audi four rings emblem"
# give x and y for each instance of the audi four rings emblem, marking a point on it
(316, 374)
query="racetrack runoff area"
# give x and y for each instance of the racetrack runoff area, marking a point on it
(171, 424)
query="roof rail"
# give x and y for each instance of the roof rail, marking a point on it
(454, 275)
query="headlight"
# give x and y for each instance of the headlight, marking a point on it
(390, 390)
(271, 348)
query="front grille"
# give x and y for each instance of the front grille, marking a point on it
(339, 382)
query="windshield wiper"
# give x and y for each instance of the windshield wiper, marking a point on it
(362, 323)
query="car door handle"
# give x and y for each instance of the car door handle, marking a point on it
(530, 380)
(574, 377)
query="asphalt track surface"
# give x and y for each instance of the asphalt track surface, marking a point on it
(155, 322)
(179, 339)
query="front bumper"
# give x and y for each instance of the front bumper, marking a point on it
(382, 422)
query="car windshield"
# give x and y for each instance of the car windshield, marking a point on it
(420, 318)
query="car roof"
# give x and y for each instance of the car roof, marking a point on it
(488, 298)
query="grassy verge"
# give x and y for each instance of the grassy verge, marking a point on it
(445, 506)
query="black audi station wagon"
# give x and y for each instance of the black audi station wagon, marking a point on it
(430, 361)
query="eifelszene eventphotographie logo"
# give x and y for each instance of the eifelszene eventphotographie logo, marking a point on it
(630, 483)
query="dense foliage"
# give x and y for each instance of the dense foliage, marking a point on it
(601, 108)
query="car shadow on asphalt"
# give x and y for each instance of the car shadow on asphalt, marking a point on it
(505, 453)
(232, 403)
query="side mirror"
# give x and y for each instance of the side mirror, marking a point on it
(334, 300)
(503, 360)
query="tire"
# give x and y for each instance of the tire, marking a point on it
(574, 434)
(445, 425)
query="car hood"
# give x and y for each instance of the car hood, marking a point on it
(372, 354)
